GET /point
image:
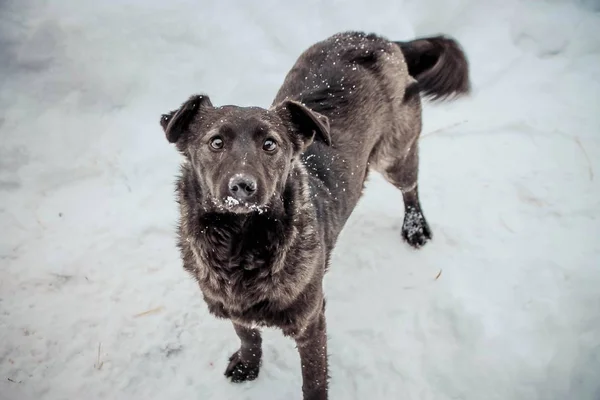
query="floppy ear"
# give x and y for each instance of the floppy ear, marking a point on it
(175, 123)
(307, 124)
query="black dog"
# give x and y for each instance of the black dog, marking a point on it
(264, 193)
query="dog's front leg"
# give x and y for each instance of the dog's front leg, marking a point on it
(244, 364)
(312, 346)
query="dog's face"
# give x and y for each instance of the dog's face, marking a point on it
(242, 156)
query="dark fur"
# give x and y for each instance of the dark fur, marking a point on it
(344, 108)
(439, 66)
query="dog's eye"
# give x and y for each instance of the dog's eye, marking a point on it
(216, 143)
(269, 145)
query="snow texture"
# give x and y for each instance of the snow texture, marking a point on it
(94, 303)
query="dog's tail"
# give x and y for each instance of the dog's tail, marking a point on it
(439, 66)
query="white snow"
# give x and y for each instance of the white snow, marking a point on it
(230, 202)
(509, 185)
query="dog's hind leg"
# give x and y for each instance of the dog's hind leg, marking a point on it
(396, 157)
(403, 174)
(244, 364)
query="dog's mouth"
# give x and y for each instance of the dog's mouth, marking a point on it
(231, 204)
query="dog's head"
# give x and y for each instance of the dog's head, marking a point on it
(242, 156)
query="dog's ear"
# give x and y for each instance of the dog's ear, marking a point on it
(307, 124)
(175, 123)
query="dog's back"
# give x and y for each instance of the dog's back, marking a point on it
(369, 89)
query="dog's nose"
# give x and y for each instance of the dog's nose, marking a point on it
(242, 187)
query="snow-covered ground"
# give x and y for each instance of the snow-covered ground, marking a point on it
(94, 303)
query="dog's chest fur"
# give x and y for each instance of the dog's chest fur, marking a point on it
(251, 268)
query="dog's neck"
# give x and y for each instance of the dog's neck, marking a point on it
(257, 240)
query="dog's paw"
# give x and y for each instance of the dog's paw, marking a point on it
(415, 229)
(240, 371)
